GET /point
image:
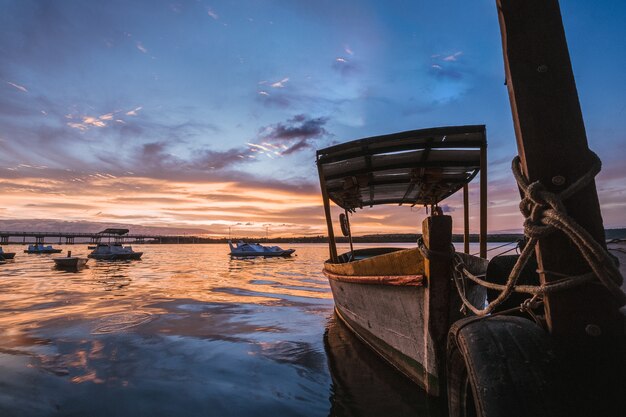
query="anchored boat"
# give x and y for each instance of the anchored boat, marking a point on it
(6, 255)
(114, 251)
(39, 248)
(70, 262)
(399, 301)
(243, 249)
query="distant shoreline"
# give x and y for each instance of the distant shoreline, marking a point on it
(377, 238)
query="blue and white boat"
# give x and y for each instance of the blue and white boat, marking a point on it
(243, 249)
(38, 249)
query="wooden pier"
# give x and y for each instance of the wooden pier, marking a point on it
(69, 238)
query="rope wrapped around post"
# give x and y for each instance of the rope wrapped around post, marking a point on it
(545, 213)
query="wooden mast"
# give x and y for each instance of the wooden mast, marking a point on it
(552, 145)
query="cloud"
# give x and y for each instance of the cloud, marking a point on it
(213, 14)
(452, 57)
(141, 47)
(293, 135)
(134, 111)
(441, 72)
(345, 67)
(19, 87)
(280, 84)
(446, 67)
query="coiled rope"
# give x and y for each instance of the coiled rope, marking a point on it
(544, 214)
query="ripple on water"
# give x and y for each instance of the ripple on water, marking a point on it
(120, 322)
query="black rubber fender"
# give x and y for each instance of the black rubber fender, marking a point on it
(503, 366)
(498, 272)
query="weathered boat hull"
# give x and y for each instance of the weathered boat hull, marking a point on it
(390, 312)
(390, 319)
(387, 311)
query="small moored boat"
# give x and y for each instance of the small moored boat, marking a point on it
(70, 262)
(6, 255)
(114, 251)
(242, 249)
(38, 248)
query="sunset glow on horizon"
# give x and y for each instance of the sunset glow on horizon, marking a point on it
(207, 115)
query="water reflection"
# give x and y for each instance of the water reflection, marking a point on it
(200, 334)
(366, 386)
(113, 275)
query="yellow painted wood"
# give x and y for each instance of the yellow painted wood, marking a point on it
(403, 262)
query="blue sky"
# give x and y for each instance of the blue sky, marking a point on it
(207, 114)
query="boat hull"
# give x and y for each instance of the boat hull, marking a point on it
(283, 254)
(381, 297)
(43, 252)
(390, 319)
(116, 256)
(70, 262)
(7, 255)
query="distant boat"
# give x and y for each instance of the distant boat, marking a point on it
(41, 249)
(70, 262)
(242, 249)
(114, 251)
(92, 247)
(6, 255)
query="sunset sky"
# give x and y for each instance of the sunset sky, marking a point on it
(207, 114)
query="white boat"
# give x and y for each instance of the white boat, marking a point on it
(114, 251)
(6, 255)
(242, 249)
(38, 248)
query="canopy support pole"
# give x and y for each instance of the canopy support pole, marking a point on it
(466, 238)
(332, 246)
(483, 201)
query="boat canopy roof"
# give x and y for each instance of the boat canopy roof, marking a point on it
(418, 167)
(118, 232)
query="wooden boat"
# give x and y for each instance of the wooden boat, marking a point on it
(70, 262)
(6, 255)
(549, 339)
(394, 299)
(114, 251)
(39, 249)
(246, 250)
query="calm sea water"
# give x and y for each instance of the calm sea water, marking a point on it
(186, 331)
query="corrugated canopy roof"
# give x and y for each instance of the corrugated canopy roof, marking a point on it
(111, 231)
(415, 167)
